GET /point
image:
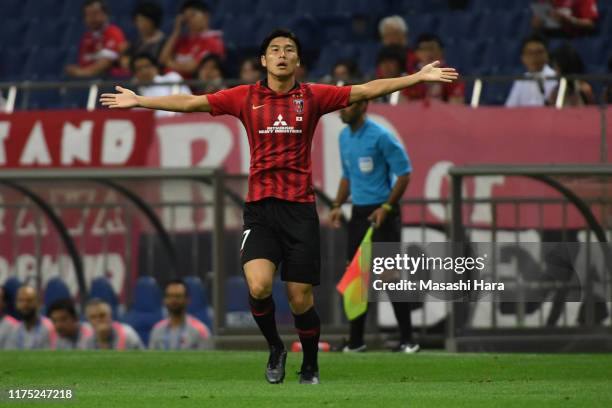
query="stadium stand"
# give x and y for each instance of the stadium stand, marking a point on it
(55, 290)
(199, 303)
(102, 289)
(146, 307)
(11, 286)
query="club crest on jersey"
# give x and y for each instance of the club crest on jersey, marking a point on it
(298, 105)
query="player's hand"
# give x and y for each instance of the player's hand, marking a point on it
(378, 216)
(335, 217)
(433, 73)
(124, 99)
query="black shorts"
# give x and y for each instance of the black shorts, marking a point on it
(389, 231)
(287, 234)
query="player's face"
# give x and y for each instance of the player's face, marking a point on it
(534, 56)
(281, 57)
(352, 113)
(100, 317)
(65, 325)
(144, 70)
(27, 303)
(176, 299)
(94, 16)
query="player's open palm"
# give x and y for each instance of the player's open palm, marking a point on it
(124, 99)
(434, 73)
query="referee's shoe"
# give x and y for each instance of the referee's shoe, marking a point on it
(275, 369)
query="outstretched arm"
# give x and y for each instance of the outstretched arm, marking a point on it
(174, 103)
(380, 87)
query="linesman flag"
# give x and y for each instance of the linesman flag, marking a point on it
(354, 283)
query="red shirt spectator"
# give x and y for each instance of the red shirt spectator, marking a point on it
(101, 45)
(575, 17)
(184, 52)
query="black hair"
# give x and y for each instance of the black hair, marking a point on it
(534, 38)
(568, 60)
(392, 52)
(216, 59)
(63, 304)
(195, 4)
(102, 4)
(280, 32)
(177, 281)
(428, 37)
(350, 65)
(151, 10)
(610, 65)
(143, 55)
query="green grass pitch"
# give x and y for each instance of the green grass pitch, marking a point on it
(381, 380)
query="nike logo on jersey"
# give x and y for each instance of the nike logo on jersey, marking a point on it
(259, 106)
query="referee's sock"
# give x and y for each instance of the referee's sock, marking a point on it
(263, 313)
(404, 322)
(308, 326)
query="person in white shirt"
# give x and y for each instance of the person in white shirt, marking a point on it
(34, 332)
(534, 56)
(151, 83)
(109, 334)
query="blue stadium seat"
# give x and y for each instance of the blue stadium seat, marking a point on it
(47, 33)
(239, 31)
(363, 7)
(11, 32)
(11, 286)
(420, 24)
(122, 8)
(45, 63)
(465, 55)
(233, 7)
(102, 289)
(12, 9)
(55, 290)
(307, 30)
(273, 8)
(495, 93)
(331, 54)
(312, 7)
(457, 25)
(74, 32)
(12, 61)
(146, 309)
(367, 57)
(335, 29)
(44, 99)
(592, 50)
(199, 303)
(48, 9)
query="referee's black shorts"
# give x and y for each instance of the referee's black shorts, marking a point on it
(389, 231)
(284, 232)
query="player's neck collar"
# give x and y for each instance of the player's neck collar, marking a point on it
(264, 83)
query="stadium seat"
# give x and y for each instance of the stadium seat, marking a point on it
(199, 303)
(335, 29)
(47, 33)
(421, 24)
(367, 57)
(146, 309)
(363, 7)
(592, 50)
(312, 7)
(12, 61)
(273, 8)
(102, 289)
(47, 9)
(457, 25)
(234, 7)
(11, 286)
(55, 290)
(239, 31)
(331, 54)
(12, 9)
(122, 8)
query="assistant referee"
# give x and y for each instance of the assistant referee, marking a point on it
(375, 173)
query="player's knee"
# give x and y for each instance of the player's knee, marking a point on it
(260, 290)
(300, 300)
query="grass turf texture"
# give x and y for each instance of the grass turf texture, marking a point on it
(382, 380)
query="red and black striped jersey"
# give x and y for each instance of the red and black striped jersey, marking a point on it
(280, 128)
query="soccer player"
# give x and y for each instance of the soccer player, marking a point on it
(108, 335)
(375, 172)
(280, 218)
(180, 331)
(34, 332)
(7, 323)
(71, 333)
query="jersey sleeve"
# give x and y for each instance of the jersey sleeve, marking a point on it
(587, 9)
(395, 155)
(228, 101)
(329, 98)
(114, 41)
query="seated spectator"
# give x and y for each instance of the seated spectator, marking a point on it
(565, 17)
(393, 31)
(180, 331)
(210, 72)
(183, 52)
(567, 61)
(71, 333)
(147, 17)
(34, 332)
(534, 56)
(390, 63)
(100, 46)
(250, 71)
(151, 83)
(108, 335)
(7, 324)
(429, 49)
(344, 71)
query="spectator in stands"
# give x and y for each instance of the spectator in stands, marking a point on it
(534, 55)
(567, 61)
(344, 71)
(101, 45)
(430, 48)
(180, 331)
(390, 63)
(183, 52)
(147, 19)
(565, 17)
(34, 332)
(7, 324)
(393, 31)
(71, 333)
(109, 335)
(151, 83)
(211, 73)
(250, 71)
